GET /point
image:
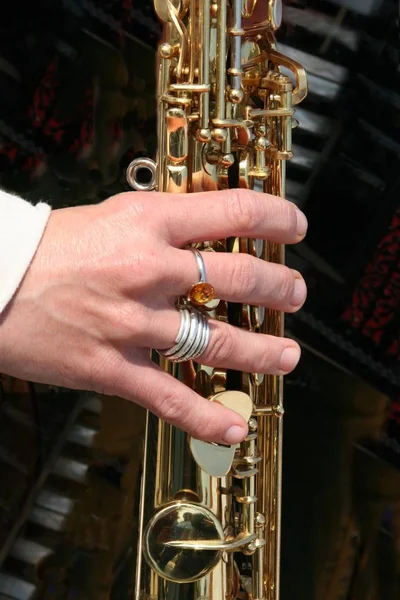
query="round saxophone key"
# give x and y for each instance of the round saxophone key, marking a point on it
(176, 523)
(239, 402)
(215, 459)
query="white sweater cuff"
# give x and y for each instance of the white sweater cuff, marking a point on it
(21, 229)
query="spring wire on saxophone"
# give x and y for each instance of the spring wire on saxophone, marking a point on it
(209, 520)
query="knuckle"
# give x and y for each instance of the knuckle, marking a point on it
(286, 284)
(136, 212)
(200, 429)
(289, 218)
(268, 361)
(172, 407)
(132, 321)
(97, 371)
(244, 277)
(244, 209)
(147, 269)
(127, 203)
(268, 355)
(222, 346)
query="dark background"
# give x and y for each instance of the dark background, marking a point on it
(77, 105)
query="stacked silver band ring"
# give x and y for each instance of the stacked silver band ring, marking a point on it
(192, 338)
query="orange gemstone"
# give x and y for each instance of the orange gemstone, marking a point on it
(201, 293)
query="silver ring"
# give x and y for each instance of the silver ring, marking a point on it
(192, 338)
(201, 293)
(182, 336)
(200, 265)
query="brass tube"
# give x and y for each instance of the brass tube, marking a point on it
(201, 504)
(204, 61)
(220, 59)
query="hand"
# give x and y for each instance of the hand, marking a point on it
(101, 288)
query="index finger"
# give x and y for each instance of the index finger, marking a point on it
(229, 213)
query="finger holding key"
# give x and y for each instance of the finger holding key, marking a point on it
(141, 381)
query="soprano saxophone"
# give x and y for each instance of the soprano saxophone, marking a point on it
(209, 522)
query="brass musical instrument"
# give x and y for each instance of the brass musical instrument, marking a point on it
(209, 523)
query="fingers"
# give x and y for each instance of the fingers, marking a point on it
(230, 347)
(234, 348)
(178, 405)
(229, 213)
(242, 278)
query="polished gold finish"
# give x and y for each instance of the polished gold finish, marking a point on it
(177, 522)
(225, 121)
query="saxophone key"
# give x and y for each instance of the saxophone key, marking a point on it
(214, 459)
(177, 135)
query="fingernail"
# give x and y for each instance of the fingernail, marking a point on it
(302, 223)
(289, 359)
(234, 435)
(299, 291)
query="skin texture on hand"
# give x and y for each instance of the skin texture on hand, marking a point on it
(101, 291)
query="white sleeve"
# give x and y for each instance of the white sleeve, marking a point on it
(21, 229)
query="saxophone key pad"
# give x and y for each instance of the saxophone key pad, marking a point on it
(216, 459)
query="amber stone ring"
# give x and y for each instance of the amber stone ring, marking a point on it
(201, 292)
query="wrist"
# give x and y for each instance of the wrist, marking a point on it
(31, 313)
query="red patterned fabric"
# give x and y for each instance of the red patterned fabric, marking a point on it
(395, 412)
(375, 307)
(374, 312)
(51, 130)
(74, 133)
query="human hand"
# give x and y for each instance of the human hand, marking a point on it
(102, 286)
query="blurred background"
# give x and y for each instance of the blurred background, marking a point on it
(77, 105)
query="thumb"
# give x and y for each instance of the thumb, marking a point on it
(180, 406)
